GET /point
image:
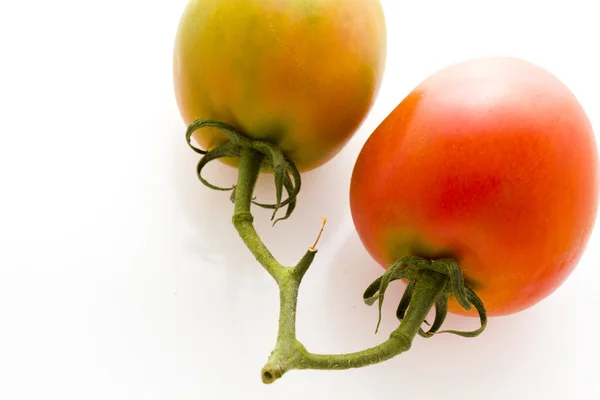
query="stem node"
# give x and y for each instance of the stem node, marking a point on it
(402, 339)
(242, 218)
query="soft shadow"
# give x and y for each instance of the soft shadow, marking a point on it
(206, 233)
(340, 278)
(209, 212)
(350, 326)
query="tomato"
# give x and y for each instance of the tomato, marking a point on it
(491, 161)
(300, 74)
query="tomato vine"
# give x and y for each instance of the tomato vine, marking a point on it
(431, 281)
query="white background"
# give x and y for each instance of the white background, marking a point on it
(121, 276)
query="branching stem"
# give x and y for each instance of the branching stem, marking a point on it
(289, 353)
(431, 281)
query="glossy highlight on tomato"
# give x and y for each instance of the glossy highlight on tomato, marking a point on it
(491, 161)
(300, 74)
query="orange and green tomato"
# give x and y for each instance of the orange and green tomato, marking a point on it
(300, 74)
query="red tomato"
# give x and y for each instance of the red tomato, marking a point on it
(492, 161)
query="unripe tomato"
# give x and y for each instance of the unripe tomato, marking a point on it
(491, 161)
(300, 74)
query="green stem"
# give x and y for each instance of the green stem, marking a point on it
(289, 353)
(250, 162)
(432, 281)
(288, 297)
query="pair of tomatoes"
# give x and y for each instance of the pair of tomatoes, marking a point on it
(491, 161)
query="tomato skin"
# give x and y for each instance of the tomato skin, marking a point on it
(491, 161)
(300, 74)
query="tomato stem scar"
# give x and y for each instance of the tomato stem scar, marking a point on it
(314, 246)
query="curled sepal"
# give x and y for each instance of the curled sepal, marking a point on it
(450, 268)
(229, 130)
(441, 311)
(410, 268)
(290, 181)
(285, 173)
(405, 301)
(372, 293)
(290, 187)
(478, 304)
(398, 270)
(225, 150)
(188, 135)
